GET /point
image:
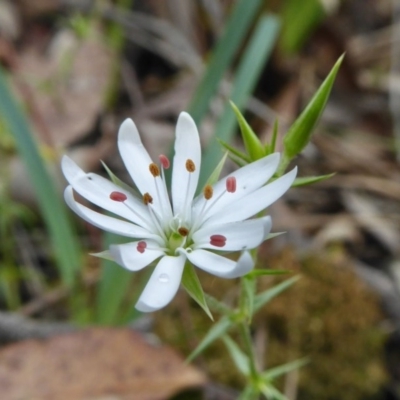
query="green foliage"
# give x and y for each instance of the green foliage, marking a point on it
(299, 134)
(237, 26)
(191, 283)
(310, 180)
(250, 67)
(62, 236)
(299, 20)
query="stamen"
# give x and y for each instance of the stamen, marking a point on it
(147, 199)
(154, 170)
(208, 192)
(183, 231)
(231, 184)
(118, 196)
(218, 240)
(190, 165)
(164, 161)
(141, 246)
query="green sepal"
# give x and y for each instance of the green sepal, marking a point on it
(217, 331)
(240, 359)
(264, 297)
(299, 134)
(275, 372)
(105, 255)
(253, 145)
(263, 272)
(120, 183)
(270, 147)
(191, 283)
(309, 180)
(233, 151)
(214, 177)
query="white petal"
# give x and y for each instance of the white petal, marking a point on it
(105, 222)
(137, 162)
(244, 265)
(255, 202)
(128, 257)
(162, 285)
(239, 235)
(187, 146)
(248, 179)
(267, 221)
(218, 265)
(97, 190)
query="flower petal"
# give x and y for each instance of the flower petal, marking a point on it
(248, 179)
(162, 285)
(239, 235)
(187, 147)
(130, 258)
(105, 222)
(253, 203)
(97, 190)
(137, 162)
(218, 265)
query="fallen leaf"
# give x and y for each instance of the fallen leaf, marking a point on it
(93, 364)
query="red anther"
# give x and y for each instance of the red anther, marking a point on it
(218, 240)
(231, 184)
(164, 161)
(141, 247)
(118, 196)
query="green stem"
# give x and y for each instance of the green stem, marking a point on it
(244, 329)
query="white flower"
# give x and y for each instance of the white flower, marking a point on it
(188, 229)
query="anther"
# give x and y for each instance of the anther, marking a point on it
(154, 170)
(190, 165)
(141, 247)
(208, 192)
(183, 231)
(118, 196)
(147, 199)
(218, 240)
(164, 161)
(231, 184)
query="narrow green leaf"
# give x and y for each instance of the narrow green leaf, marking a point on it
(251, 65)
(239, 358)
(272, 145)
(62, 236)
(217, 305)
(263, 298)
(248, 294)
(233, 150)
(121, 183)
(299, 134)
(217, 330)
(275, 372)
(271, 393)
(237, 26)
(263, 272)
(249, 393)
(214, 177)
(254, 147)
(309, 180)
(105, 255)
(274, 235)
(192, 285)
(113, 285)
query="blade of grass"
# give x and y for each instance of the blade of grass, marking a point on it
(61, 233)
(112, 287)
(248, 72)
(240, 20)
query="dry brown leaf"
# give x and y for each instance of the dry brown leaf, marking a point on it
(93, 364)
(65, 89)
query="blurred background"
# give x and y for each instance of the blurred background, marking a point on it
(72, 70)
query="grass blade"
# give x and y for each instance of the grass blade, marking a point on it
(61, 234)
